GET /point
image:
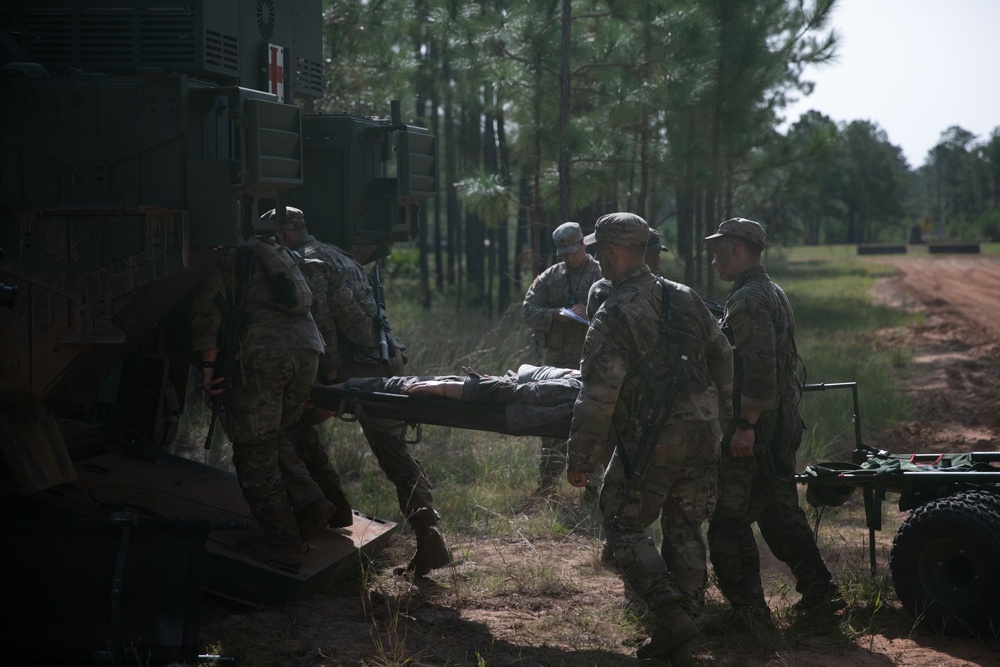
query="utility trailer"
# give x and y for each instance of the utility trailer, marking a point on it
(945, 557)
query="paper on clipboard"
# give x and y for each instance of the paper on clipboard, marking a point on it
(568, 312)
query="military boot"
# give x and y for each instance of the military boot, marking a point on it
(432, 552)
(314, 517)
(673, 632)
(344, 516)
(821, 598)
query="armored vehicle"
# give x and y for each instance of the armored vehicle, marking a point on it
(136, 138)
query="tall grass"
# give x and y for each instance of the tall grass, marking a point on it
(840, 334)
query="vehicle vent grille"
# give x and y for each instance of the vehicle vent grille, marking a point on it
(222, 51)
(114, 37)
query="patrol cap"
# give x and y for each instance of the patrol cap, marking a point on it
(294, 218)
(568, 236)
(654, 244)
(622, 229)
(741, 228)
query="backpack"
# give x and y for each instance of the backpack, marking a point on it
(281, 266)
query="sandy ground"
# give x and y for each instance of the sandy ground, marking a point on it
(506, 603)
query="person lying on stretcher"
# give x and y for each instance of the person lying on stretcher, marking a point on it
(540, 385)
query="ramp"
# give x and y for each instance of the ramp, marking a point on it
(158, 486)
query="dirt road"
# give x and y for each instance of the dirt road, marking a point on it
(955, 381)
(548, 601)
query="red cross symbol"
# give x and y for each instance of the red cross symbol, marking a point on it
(276, 71)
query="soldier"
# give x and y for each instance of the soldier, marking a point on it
(275, 364)
(555, 308)
(350, 325)
(632, 345)
(600, 290)
(756, 470)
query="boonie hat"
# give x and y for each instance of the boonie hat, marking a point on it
(741, 228)
(622, 229)
(568, 236)
(293, 216)
(654, 242)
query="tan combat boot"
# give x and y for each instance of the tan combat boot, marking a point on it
(432, 552)
(672, 635)
(344, 516)
(314, 517)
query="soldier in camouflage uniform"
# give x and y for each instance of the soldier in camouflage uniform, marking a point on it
(274, 367)
(350, 323)
(563, 285)
(756, 483)
(686, 566)
(600, 290)
(629, 346)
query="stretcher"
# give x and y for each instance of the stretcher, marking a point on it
(414, 410)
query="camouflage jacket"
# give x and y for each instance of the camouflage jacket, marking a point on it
(626, 333)
(598, 294)
(763, 330)
(268, 325)
(347, 315)
(559, 287)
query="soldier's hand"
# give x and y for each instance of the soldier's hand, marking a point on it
(559, 317)
(741, 444)
(210, 385)
(580, 309)
(578, 479)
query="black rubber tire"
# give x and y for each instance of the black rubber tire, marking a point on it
(945, 564)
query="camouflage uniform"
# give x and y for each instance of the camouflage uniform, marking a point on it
(762, 488)
(274, 368)
(625, 334)
(598, 294)
(557, 287)
(348, 324)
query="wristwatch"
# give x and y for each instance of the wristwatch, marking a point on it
(745, 424)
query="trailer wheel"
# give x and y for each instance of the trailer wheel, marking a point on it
(944, 564)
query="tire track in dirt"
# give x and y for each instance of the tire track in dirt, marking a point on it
(954, 384)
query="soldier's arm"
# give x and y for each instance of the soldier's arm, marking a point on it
(603, 371)
(206, 318)
(536, 311)
(318, 275)
(754, 338)
(352, 304)
(719, 358)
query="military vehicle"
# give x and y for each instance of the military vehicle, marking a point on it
(136, 138)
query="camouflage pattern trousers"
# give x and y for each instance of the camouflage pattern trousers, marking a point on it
(553, 453)
(386, 439)
(267, 395)
(680, 485)
(748, 494)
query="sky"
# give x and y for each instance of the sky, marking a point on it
(914, 68)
